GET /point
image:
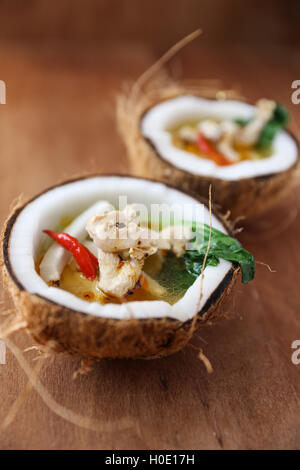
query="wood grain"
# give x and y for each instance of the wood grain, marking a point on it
(154, 23)
(58, 122)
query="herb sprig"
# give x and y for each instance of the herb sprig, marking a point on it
(278, 121)
(221, 246)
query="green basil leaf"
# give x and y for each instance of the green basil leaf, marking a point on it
(222, 246)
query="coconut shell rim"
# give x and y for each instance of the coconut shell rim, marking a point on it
(8, 226)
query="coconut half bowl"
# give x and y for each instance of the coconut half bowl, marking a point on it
(245, 189)
(66, 323)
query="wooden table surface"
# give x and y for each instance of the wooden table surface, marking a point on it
(59, 122)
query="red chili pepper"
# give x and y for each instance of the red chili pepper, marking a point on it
(87, 262)
(206, 148)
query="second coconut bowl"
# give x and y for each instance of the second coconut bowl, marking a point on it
(151, 123)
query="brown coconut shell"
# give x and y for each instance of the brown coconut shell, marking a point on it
(244, 197)
(62, 329)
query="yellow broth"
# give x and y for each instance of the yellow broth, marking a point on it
(245, 153)
(155, 285)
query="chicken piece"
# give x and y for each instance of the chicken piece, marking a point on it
(174, 238)
(123, 245)
(121, 254)
(116, 230)
(117, 276)
(249, 134)
(210, 129)
(188, 134)
(225, 145)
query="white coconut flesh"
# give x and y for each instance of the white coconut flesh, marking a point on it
(158, 120)
(26, 241)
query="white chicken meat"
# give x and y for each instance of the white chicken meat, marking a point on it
(123, 245)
